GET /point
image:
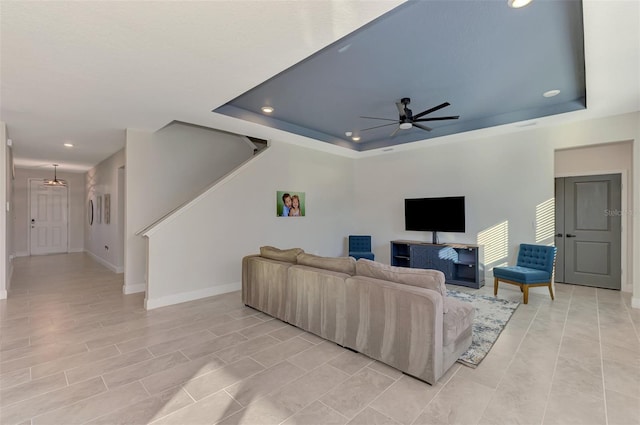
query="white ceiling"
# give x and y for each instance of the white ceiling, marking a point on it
(83, 72)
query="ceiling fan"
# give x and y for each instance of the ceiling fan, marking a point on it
(408, 120)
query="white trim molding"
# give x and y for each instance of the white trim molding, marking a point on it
(134, 288)
(150, 304)
(3, 295)
(635, 302)
(105, 263)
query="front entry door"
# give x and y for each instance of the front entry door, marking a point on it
(48, 218)
(588, 230)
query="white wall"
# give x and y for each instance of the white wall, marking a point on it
(594, 159)
(164, 170)
(101, 240)
(605, 159)
(10, 217)
(505, 178)
(477, 172)
(4, 217)
(197, 252)
(21, 212)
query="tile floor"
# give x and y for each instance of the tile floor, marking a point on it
(74, 350)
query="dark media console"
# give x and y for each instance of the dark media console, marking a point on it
(461, 264)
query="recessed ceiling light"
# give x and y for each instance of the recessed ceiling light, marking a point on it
(551, 93)
(348, 133)
(68, 145)
(355, 138)
(267, 109)
(517, 4)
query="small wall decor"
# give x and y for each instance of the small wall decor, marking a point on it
(107, 208)
(290, 203)
(99, 209)
(90, 212)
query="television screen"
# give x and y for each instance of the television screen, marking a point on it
(435, 214)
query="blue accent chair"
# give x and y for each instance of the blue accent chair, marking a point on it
(535, 268)
(360, 247)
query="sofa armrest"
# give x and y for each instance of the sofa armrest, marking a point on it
(263, 284)
(245, 276)
(398, 324)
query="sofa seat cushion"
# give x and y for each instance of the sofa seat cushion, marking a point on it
(457, 319)
(337, 264)
(521, 274)
(423, 278)
(287, 255)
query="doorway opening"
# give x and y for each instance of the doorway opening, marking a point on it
(585, 169)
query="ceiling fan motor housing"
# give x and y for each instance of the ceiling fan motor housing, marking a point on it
(407, 117)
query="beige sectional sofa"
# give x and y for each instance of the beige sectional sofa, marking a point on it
(399, 316)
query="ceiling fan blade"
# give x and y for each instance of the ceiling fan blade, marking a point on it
(401, 109)
(428, 111)
(452, 117)
(376, 118)
(422, 127)
(377, 126)
(395, 131)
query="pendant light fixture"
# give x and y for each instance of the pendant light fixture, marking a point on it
(55, 181)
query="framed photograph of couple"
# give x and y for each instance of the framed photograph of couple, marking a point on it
(290, 203)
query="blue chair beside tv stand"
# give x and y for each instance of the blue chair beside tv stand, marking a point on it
(360, 247)
(534, 268)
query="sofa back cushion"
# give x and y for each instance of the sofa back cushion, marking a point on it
(424, 278)
(337, 264)
(287, 255)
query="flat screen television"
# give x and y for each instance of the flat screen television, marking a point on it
(435, 214)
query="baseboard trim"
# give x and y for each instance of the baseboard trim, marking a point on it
(21, 254)
(134, 288)
(105, 263)
(3, 295)
(182, 297)
(635, 302)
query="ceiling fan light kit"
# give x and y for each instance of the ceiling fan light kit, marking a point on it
(517, 4)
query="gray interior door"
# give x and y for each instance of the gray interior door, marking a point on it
(588, 230)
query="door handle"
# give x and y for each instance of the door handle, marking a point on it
(569, 235)
(559, 235)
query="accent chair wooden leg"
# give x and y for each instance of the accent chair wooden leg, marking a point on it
(551, 292)
(495, 286)
(526, 294)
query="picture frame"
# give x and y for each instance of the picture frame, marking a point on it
(99, 209)
(107, 208)
(286, 201)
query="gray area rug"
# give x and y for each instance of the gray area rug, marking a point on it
(492, 315)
